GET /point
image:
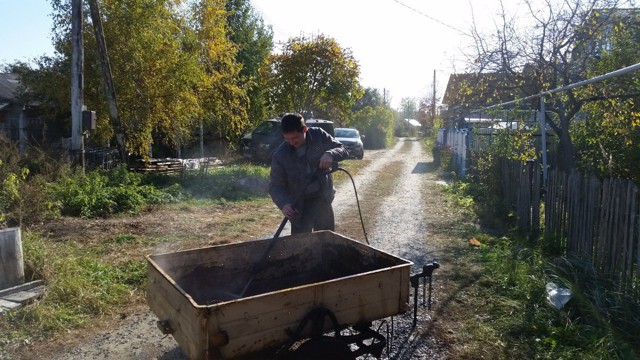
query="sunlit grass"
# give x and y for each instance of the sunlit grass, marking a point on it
(515, 317)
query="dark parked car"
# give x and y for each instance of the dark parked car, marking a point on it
(260, 144)
(352, 140)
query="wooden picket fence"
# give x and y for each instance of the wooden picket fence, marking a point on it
(583, 216)
(521, 192)
(595, 220)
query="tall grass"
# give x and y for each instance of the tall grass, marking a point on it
(600, 321)
(80, 287)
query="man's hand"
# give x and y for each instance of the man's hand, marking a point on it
(326, 161)
(289, 211)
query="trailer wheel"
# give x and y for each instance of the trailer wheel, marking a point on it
(323, 348)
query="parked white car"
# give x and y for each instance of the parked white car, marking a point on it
(352, 140)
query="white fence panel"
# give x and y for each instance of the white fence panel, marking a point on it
(458, 141)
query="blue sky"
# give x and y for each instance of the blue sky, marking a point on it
(398, 44)
(25, 28)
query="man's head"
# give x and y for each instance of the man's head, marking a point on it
(293, 129)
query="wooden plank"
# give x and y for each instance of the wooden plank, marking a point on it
(632, 195)
(593, 206)
(638, 254)
(572, 209)
(602, 224)
(549, 202)
(562, 199)
(576, 222)
(261, 322)
(169, 304)
(25, 296)
(614, 225)
(21, 287)
(622, 230)
(535, 217)
(8, 305)
(11, 262)
(558, 209)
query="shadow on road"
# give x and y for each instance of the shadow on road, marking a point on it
(424, 168)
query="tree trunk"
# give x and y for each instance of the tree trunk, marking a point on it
(566, 152)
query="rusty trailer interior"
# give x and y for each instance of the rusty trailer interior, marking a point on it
(195, 293)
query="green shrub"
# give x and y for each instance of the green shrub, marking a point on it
(103, 193)
(126, 199)
(443, 157)
(23, 181)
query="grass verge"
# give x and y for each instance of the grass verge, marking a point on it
(501, 311)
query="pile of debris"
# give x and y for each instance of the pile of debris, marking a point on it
(17, 296)
(172, 165)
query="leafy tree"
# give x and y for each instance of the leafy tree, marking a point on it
(371, 97)
(608, 140)
(314, 75)
(528, 60)
(223, 99)
(408, 108)
(156, 81)
(255, 42)
(376, 124)
(427, 110)
(47, 86)
(172, 65)
(153, 77)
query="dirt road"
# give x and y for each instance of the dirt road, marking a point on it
(398, 193)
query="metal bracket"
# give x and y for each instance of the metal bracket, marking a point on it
(427, 272)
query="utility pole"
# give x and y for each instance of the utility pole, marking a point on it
(108, 79)
(433, 99)
(77, 82)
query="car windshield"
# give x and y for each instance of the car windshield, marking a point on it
(346, 133)
(265, 128)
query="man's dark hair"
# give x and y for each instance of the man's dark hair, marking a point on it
(292, 122)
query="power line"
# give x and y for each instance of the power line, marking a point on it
(431, 18)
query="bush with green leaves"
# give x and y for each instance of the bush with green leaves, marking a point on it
(376, 124)
(102, 193)
(23, 181)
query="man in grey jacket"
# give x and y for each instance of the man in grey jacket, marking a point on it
(301, 185)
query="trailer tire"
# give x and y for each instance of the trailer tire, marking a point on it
(323, 348)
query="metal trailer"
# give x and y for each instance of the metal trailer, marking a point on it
(314, 286)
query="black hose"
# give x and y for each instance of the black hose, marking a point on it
(357, 202)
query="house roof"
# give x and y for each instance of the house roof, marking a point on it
(486, 89)
(481, 89)
(413, 122)
(8, 85)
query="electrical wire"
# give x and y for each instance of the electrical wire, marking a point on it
(431, 18)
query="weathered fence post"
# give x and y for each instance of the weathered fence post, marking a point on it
(11, 262)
